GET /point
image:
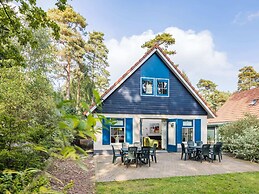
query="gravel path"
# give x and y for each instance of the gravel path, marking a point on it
(69, 170)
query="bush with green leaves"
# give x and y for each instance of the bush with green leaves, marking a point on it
(27, 118)
(242, 138)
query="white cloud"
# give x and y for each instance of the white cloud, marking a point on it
(195, 54)
(253, 16)
(243, 18)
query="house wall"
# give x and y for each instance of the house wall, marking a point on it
(100, 148)
(128, 102)
(127, 98)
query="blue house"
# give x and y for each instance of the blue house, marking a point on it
(152, 99)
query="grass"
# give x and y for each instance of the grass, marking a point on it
(223, 183)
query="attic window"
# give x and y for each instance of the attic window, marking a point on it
(253, 102)
(154, 87)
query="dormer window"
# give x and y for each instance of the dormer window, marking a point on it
(253, 102)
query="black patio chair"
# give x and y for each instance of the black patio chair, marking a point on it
(190, 143)
(116, 154)
(220, 144)
(190, 148)
(125, 145)
(144, 156)
(153, 153)
(131, 156)
(199, 143)
(205, 152)
(215, 152)
(186, 151)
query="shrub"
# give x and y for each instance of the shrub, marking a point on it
(22, 181)
(242, 138)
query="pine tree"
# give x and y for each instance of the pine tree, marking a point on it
(247, 78)
(214, 97)
(164, 40)
(97, 61)
(71, 47)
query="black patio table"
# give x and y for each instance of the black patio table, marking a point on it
(124, 151)
(196, 151)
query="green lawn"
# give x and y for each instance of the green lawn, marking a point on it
(224, 183)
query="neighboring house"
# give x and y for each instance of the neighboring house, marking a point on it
(152, 99)
(234, 109)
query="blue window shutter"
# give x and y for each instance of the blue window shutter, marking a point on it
(197, 129)
(179, 126)
(106, 133)
(129, 130)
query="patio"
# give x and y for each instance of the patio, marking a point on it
(168, 165)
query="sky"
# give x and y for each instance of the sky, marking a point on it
(214, 39)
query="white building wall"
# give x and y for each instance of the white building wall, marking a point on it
(136, 128)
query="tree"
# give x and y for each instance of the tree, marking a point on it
(218, 98)
(27, 118)
(164, 40)
(43, 57)
(247, 78)
(91, 75)
(214, 97)
(97, 61)
(16, 27)
(71, 46)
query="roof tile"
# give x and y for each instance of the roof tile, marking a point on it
(237, 106)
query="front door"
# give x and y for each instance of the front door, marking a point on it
(171, 135)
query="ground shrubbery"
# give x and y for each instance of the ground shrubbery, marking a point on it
(28, 121)
(242, 138)
(34, 127)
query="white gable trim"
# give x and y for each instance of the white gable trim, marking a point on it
(189, 88)
(125, 78)
(172, 68)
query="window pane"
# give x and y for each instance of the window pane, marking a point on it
(184, 134)
(187, 134)
(117, 135)
(162, 87)
(187, 123)
(147, 86)
(211, 135)
(118, 123)
(190, 134)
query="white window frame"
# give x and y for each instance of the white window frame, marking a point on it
(154, 86)
(188, 133)
(188, 127)
(162, 79)
(118, 126)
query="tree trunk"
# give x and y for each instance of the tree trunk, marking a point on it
(68, 70)
(78, 93)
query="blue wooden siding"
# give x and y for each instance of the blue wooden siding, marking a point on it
(154, 65)
(105, 133)
(127, 99)
(197, 129)
(179, 127)
(129, 130)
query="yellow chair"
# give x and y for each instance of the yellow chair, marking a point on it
(150, 142)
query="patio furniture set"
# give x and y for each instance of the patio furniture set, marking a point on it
(135, 154)
(200, 151)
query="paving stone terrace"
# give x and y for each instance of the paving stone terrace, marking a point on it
(168, 165)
